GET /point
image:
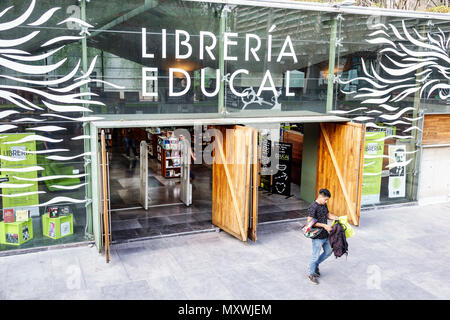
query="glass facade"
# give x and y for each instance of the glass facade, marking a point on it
(64, 65)
(291, 64)
(390, 71)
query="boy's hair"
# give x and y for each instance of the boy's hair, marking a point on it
(325, 193)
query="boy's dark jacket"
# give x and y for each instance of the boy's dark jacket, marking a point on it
(338, 240)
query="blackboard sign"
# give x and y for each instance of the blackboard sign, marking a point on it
(281, 183)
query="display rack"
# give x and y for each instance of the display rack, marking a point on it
(16, 233)
(58, 227)
(169, 155)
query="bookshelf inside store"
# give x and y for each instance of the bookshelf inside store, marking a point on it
(168, 153)
(152, 140)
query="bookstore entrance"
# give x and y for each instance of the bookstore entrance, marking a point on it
(172, 180)
(157, 181)
(154, 189)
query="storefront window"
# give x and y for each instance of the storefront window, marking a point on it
(42, 172)
(386, 70)
(144, 69)
(279, 61)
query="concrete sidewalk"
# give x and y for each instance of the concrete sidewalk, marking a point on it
(400, 253)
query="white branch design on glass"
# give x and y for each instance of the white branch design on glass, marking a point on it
(55, 100)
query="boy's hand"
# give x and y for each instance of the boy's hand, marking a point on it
(328, 228)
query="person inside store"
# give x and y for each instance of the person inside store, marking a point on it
(130, 143)
(318, 210)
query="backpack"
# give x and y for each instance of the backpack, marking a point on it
(338, 240)
(343, 220)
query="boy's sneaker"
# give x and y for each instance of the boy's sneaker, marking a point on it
(317, 272)
(313, 279)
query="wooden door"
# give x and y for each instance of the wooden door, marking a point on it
(340, 167)
(104, 178)
(235, 181)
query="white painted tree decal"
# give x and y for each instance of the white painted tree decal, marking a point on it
(58, 100)
(408, 54)
(430, 54)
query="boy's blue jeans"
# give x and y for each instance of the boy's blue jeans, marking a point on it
(316, 257)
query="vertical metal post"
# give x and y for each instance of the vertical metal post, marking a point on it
(222, 28)
(331, 64)
(95, 180)
(86, 128)
(416, 141)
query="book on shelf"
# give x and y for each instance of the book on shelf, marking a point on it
(64, 211)
(22, 215)
(172, 154)
(8, 215)
(25, 233)
(65, 228)
(51, 230)
(53, 212)
(12, 238)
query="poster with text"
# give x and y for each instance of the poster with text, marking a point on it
(397, 173)
(373, 166)
(16, 193)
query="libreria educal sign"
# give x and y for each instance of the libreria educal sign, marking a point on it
(182, 43)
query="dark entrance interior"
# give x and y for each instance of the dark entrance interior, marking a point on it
(167, 214)
(276, 204)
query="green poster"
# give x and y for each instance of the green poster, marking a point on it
(16, 164)
(373, 166)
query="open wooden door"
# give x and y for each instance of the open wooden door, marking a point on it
(105, 209)
(340, 167)
(235, 181)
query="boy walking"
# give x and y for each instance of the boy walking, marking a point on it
(318, 210)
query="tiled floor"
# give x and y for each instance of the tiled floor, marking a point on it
(129, 221)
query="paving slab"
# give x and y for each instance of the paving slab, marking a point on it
(396, 253)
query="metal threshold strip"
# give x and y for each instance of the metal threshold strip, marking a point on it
(282, 221)
(160, 236)
(13, 252)
(150, 206)
(206, 230)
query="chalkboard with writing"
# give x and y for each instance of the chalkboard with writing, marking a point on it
(281, 183)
